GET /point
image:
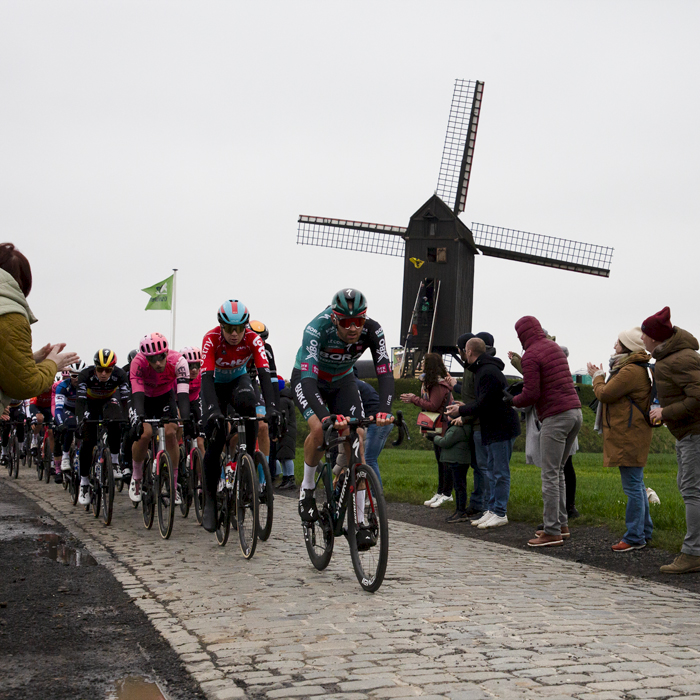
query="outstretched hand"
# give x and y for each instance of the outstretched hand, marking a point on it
(41, 354)
(62, 359)
(592, 369)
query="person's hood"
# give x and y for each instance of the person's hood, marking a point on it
(486, 359)
(12, 301)
(529, 331)
(680, 340)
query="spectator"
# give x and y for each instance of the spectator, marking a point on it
(547, 385)
(436, 395)
(532, 440)
(23, 375)
(376, 435)
(499, 428)
(287, 444)
(622, 417)
(456, 455)
(677, 374)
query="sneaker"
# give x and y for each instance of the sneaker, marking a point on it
(307, 506)
(282, 483)
(65, 464)
(682, 564)
(457, 517)
(487, 514)
(84, 495)
(291, 484)
(623, 546)
(432, 500)
(135, 490)
(440, 500)
(653, 497)
(474, 512)
(545, 540)
(365, 538)
(572, 513)
(565, 532)
(494, 521)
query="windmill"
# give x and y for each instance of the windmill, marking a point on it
(439, 249)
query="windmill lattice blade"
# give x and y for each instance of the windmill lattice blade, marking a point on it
(458, 152)
(542, 250)
(351, 235)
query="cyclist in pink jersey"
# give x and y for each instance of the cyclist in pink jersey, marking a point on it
(193, 355)
(160, 385)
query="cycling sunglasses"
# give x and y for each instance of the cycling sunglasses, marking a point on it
(104, 370)
(152, 359)
(347, 321)
(234, 329)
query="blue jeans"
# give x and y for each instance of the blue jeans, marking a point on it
(286, 466)
(637, 519)
(481, 495)
(374, 443)
(498, 471)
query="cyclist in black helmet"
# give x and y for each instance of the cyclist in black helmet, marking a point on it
(323, 376)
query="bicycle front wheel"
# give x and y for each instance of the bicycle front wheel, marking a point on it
(14, 451)
(247, 505)
(183, 484)
(47, 459)
(165, 490)
(368, 529)
(147, 493)
(39, 464)
(96, 471)
(265, 496)
(107, 486)
(196, 484)
(224, 503)
(318, 535)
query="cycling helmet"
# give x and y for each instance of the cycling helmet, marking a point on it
(76, 367)
(132, 355)
(349, 302)
(60, 376)
(105, 357)
(260, 328)
(153, 344)
(233, 312)
(192, 355)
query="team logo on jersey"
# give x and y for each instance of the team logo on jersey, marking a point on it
(304, 366)
(383, 354)
(314, 369)
(313, 331)
(312, 350)
(382, 369)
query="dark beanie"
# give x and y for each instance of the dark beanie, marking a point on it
(487, 338)
(462, 340)
(659, 325)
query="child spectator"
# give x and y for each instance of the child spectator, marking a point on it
(456, 455)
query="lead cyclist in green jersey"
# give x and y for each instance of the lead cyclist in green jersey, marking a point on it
(323, 381)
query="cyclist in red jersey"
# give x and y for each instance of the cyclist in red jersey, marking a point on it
(226, 350)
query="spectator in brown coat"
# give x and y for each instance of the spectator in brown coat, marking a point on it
(622, 417)
(677, 374)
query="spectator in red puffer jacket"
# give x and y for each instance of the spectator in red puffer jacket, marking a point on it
(548, 386)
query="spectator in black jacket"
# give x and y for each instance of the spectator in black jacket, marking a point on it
(287, 444)
(499, 427)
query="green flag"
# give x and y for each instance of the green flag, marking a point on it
(161, 295)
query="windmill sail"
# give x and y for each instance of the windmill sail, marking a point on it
(351, 235)
(458, 151)
(536, 249)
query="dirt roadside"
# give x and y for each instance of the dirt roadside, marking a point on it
(70, 632)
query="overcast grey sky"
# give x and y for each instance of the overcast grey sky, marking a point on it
(136, 137)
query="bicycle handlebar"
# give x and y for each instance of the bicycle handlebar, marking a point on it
(355, 423)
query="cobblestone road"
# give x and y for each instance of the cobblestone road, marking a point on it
(455, 619)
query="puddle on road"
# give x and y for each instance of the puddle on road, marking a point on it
(55, 548)
(136, 688)
(14, 527)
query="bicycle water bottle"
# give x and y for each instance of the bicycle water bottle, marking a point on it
(655, 404)
(230, 473)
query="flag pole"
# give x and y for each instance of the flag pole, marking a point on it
(174, 304)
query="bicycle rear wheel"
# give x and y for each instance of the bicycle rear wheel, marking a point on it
(318, 535)
(96, 469)
(196, 485)
(165, 490)
(14, 451)
(183, 483)
(147, 496)
(39, 464)
(107, 486)
(368, 529)
(247, 505)
(224, 504)
(265, 497)
(71, 479)
(47, 459)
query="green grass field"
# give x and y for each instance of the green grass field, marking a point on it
(410, 476)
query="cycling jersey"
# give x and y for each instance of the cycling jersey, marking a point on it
(253, 371)
(42, 401)
(65, 397)
(324, 358)
(92, 389)
(176, 375)
(195, 387)
(229, 361)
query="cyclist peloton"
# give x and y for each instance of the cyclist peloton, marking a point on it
(226, 351)
(126, 430)
(193, 355)
(103, 392)
(16, 411)
(323, 372)
(157, 375)
(65, 398)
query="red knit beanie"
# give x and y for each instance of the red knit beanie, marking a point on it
(659, 325)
